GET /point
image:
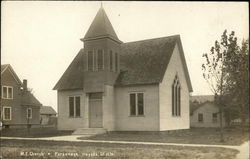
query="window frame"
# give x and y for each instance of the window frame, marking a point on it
(97, 60)
(7, 107)
(176, 97)
(116, 62)
(111, 60)
(31, 113)
(88, 68)
(136, 105)
(202, 117)
(7, 92)
(74, 106)
(215, 120)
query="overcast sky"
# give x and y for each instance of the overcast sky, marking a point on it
(40, 38)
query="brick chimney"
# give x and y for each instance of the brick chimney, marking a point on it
(25, 85)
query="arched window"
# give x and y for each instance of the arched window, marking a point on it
(176, 97)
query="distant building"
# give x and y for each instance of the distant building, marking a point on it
(203, 112)
(19, 107)
(47, 114)
(134, 86)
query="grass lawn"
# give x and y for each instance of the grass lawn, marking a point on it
(34, 132)
(79, 150)
(232, 136)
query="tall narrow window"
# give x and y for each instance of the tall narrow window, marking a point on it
(132, 104)
(136, 104)
(173, 96)
(90, 61)
(7, 92)
(74, 106)
(179, 100)
(140, 103)
(100, 60)
(29, 113)
(6, 113)
(176, 97)
(77, 106)
(71, 106)
(116, 62)
(111, 60)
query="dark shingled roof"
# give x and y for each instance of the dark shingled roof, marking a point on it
(101, 27)
(47, 110)
(8, 66)
(198, 101)
(145, 62)
(29, 99)
(141, 62)
(202, 98)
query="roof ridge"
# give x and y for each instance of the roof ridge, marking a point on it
(171, 36)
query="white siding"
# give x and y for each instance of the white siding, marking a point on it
(167, 121)
(108, 108)
(69, 123)
(207, 110)
(150, 120)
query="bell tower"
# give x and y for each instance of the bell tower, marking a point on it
(101, 54)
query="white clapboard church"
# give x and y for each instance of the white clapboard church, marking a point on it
(115, 86)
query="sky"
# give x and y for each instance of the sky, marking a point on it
(40, 38)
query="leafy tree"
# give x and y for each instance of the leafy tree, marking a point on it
(237, 66)
(226, 72)
(214, 70)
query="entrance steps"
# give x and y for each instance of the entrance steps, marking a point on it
(89, 131)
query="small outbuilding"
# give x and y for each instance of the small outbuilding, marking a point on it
(47, 115)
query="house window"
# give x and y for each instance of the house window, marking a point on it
(116, 62)
(200, 118)
(136, 104)
(6, 113)
(214, 118)
(176, 97)
(29, 113)
(7, 92)
(100, 59)
(74, 106)
(111, 60)
(90, 60)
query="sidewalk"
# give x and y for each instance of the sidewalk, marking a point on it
(243, 154)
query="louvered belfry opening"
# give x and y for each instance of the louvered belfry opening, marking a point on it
(101, 57)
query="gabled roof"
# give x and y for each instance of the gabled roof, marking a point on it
(202, 98)
(29, 99)
(8, 67)
(101, 27)
(47, 110)
(198, 101)
(3, 67)
(145, 62)
(141, 62)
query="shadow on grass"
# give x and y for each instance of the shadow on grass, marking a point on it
(33, 132)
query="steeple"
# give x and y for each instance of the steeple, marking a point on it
(101, 27)
(101, 58)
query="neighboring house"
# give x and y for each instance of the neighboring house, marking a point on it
(18, 106)
(203, 112)
(47, 114)
(134, 86)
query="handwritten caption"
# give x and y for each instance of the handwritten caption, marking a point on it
(66, 154)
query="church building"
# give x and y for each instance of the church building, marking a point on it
(116, 86)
